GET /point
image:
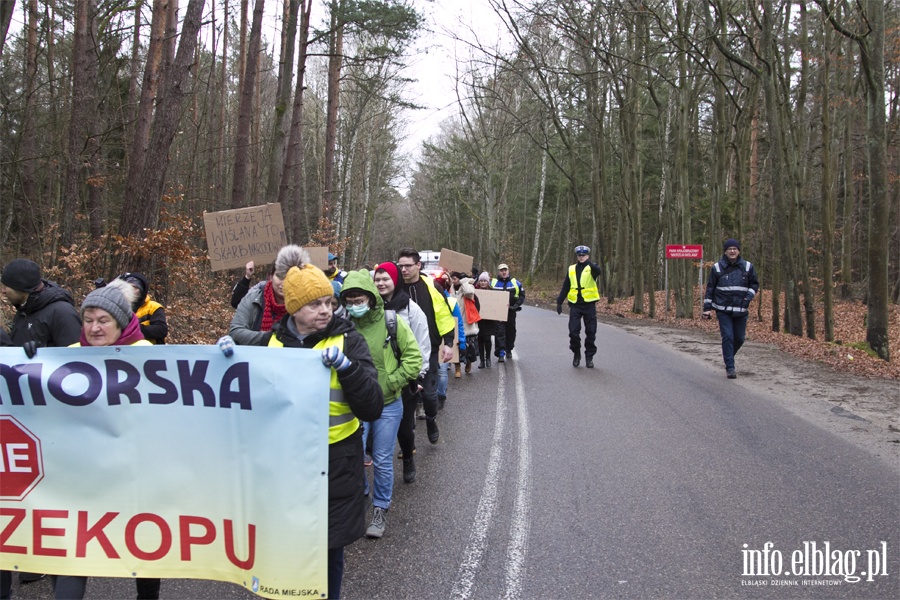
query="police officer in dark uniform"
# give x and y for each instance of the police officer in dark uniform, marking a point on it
(580, 289)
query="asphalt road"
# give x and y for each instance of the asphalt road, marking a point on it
(650, 476)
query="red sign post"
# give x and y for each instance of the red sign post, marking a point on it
(21, 464)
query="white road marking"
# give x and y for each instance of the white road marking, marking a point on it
(518, 531)
(471, 563)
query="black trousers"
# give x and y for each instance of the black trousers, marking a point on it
(588, 314)
(511, 330)
(406, 435)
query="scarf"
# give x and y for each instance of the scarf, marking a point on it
(272, 311)
(131, 334)
(472, 315)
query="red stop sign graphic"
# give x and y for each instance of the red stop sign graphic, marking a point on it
(21, 465)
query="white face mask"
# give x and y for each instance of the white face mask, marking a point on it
(357, 310)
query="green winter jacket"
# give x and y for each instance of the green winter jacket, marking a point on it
(392, 375)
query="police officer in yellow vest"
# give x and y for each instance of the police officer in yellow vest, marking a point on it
(580, 289)
(355, 396)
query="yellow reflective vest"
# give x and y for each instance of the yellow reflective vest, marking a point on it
(587, 286)
(445, 319)
(342, 423)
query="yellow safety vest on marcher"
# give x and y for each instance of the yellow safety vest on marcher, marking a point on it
(588, 287)
(342, 423)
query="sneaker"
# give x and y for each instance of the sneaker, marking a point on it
(367, 460)
(509, 354)
(731, 374)
(502, 357)
(376, 529)
(420, 412)
(433, 433)
(409, 470)
(589, 363)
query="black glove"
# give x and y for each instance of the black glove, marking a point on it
(30, 348)
(517, 308)
(559, 309)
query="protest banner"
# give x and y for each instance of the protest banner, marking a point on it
(234, 237)
(167, 461)
(494, 304)
(456, 261)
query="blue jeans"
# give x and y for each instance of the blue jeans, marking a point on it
(443, 378)
(384, 432)
(733, 329)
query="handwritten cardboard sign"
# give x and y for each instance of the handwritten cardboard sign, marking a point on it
(494, 304)
(455, 261)
(318, 255)
(235, 237)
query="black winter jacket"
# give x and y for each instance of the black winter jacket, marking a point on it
(346, 502)
(731, 287)
(48, 317)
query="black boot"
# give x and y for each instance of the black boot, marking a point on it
(433, 433)
(480, 355)
(409, 470)
(487, 361)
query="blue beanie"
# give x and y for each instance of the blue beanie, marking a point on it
(731, 242)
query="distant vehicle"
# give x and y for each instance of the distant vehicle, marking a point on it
(430, 260)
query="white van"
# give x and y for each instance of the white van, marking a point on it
(430, 260)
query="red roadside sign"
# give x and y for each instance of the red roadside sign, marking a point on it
(684, 251)
(21, 465)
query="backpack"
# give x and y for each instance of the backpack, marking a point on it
(390, 320)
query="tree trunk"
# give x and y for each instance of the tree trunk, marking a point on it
(81, 143)
(335, 58)
(245, 113)
(281, 126)
(872, 59)
(143, 211)
(6, 13)
(145, 112)
(828, 195)
(290, 190)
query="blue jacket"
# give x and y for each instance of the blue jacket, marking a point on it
(731, 287)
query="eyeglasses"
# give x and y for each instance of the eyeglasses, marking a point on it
(361, 301)
(409, 266)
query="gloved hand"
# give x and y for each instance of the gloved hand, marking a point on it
(226, 345)
(30, 348)
(517, 308)
(332, 357)
(559, 309)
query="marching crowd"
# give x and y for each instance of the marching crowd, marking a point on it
(389, 334)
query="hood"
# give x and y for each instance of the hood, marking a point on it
(48, 295)
(362, 280)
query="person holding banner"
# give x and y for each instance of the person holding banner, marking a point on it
(108, 320)
(398, 361)
(355, 396)
(580, 289)
(488, 328)
(731, 286)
